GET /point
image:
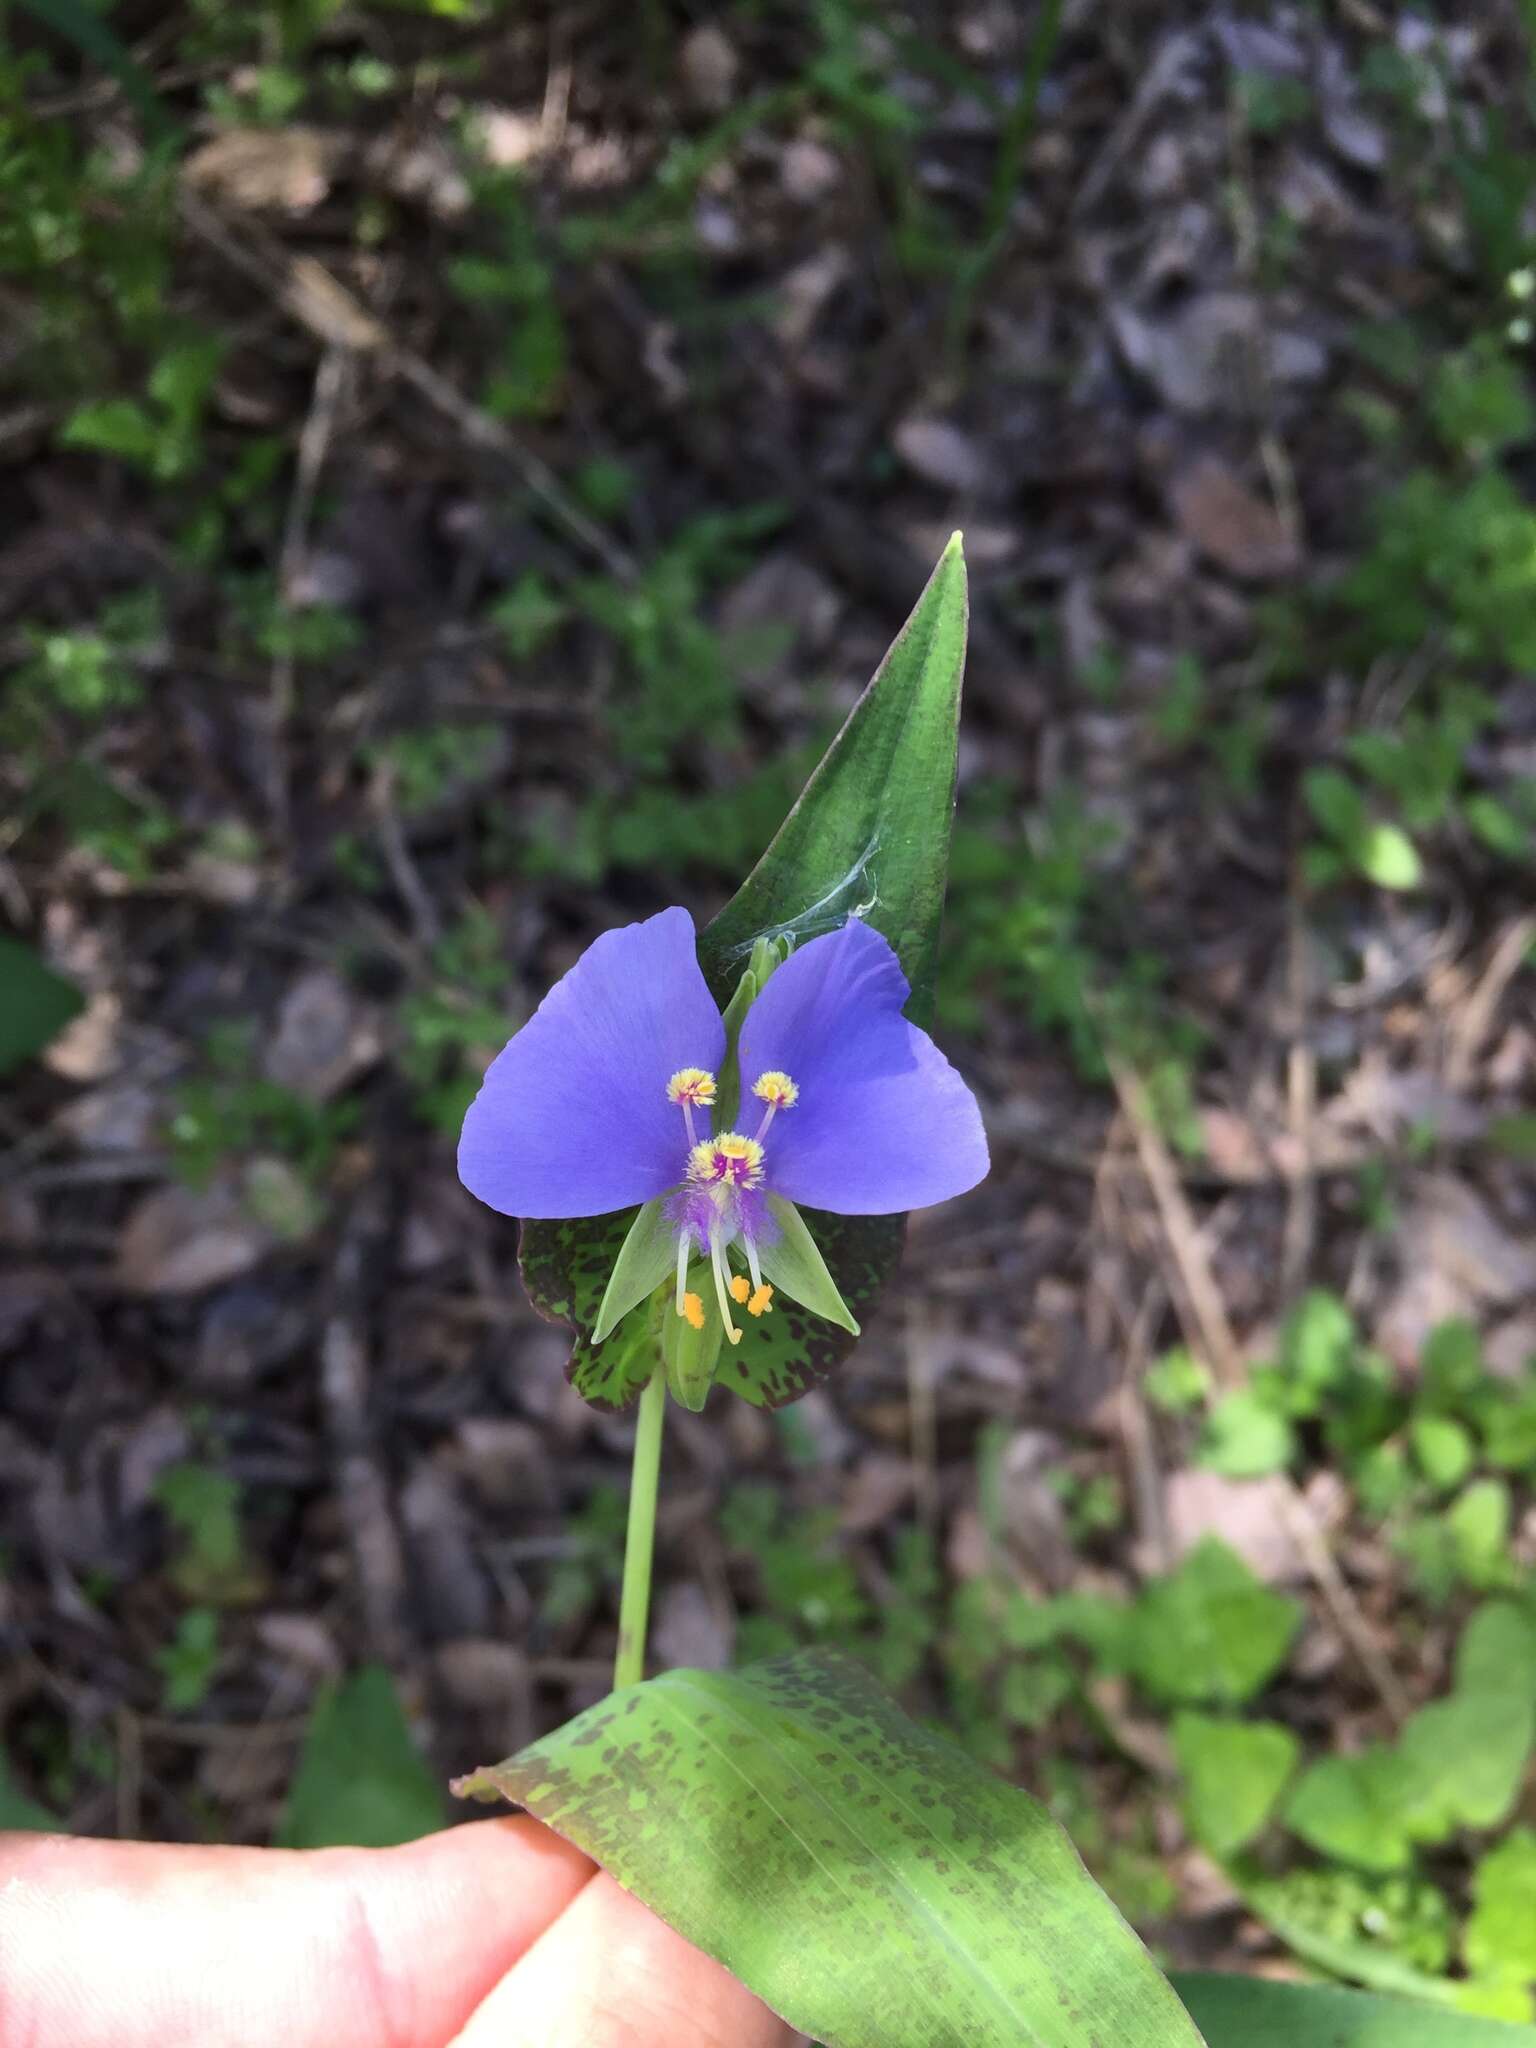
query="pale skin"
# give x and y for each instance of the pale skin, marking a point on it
(493, 1935)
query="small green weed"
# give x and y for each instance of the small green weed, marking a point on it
(229, 1109)
(450, 1028)
(593, 1561)
(190, 1660)
(202, 1505)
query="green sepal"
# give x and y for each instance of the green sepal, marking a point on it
(793, 1265)
(647, 1257)
(691, 1355)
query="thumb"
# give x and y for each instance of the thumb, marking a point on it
(609, 1974)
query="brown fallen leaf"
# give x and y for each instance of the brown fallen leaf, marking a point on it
(325, 1037)
(259, 170)
(179, 1240)
(940, 453)
(1247, 1514)
(1226, 521)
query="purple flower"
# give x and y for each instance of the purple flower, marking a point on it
(607, 1095)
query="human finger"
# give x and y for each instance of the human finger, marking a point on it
(609, 1974)
(141, 1945)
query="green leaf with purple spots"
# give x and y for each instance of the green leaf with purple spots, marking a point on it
(781, 1356)
(871, 1882)
(565, 1267)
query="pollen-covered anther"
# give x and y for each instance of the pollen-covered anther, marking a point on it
(693, 1085)
(741, 1287)
(727, 1161)
(776, 1089)
(692, 1311)
(760, 1302)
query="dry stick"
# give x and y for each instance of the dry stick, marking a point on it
(1197, 1290)
(314, 443)
(397, 858)
(1301, 1102)
(362, 1490)
(130, 1775)
(1472, 1026)
(1198, 1298)
(1136, 1327)
(329, 311)
(922, 1411)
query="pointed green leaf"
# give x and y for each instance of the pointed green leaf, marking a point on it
(36, 1005)
(873, 1883)
(647, 1257)
(1253, 2012)
(361, 1782)
(794, 1265)
(870, 831)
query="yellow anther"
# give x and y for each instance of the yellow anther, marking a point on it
(729, 1160)
(776, 1089)
(693, 1311)
(692, 1085)
(741, 1287)
(761, 1302)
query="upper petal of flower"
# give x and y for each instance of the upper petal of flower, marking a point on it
(881, 1121)
(573, 1117)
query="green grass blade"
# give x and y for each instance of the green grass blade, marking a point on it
(1252, 2012)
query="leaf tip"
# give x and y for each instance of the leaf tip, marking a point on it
(480, 1784)
(954, 548)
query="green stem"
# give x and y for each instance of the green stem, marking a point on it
(640, 1537)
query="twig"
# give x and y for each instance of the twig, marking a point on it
(329, 311)
(1301, 1102)
(1196, 1293)
(362, 1490)
(1205, 1306)
(314, 441)
(1341, 1602)
(130, 1775)
(1471, 1027)
(224, 1734)
(397, 858)
(924, 1419)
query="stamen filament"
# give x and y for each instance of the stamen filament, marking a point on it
(683, 1240)
(693, 1136)
(722, 1288)
(752, 1266)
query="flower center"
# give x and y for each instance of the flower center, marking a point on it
(730, 1161)
(715, 1204)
